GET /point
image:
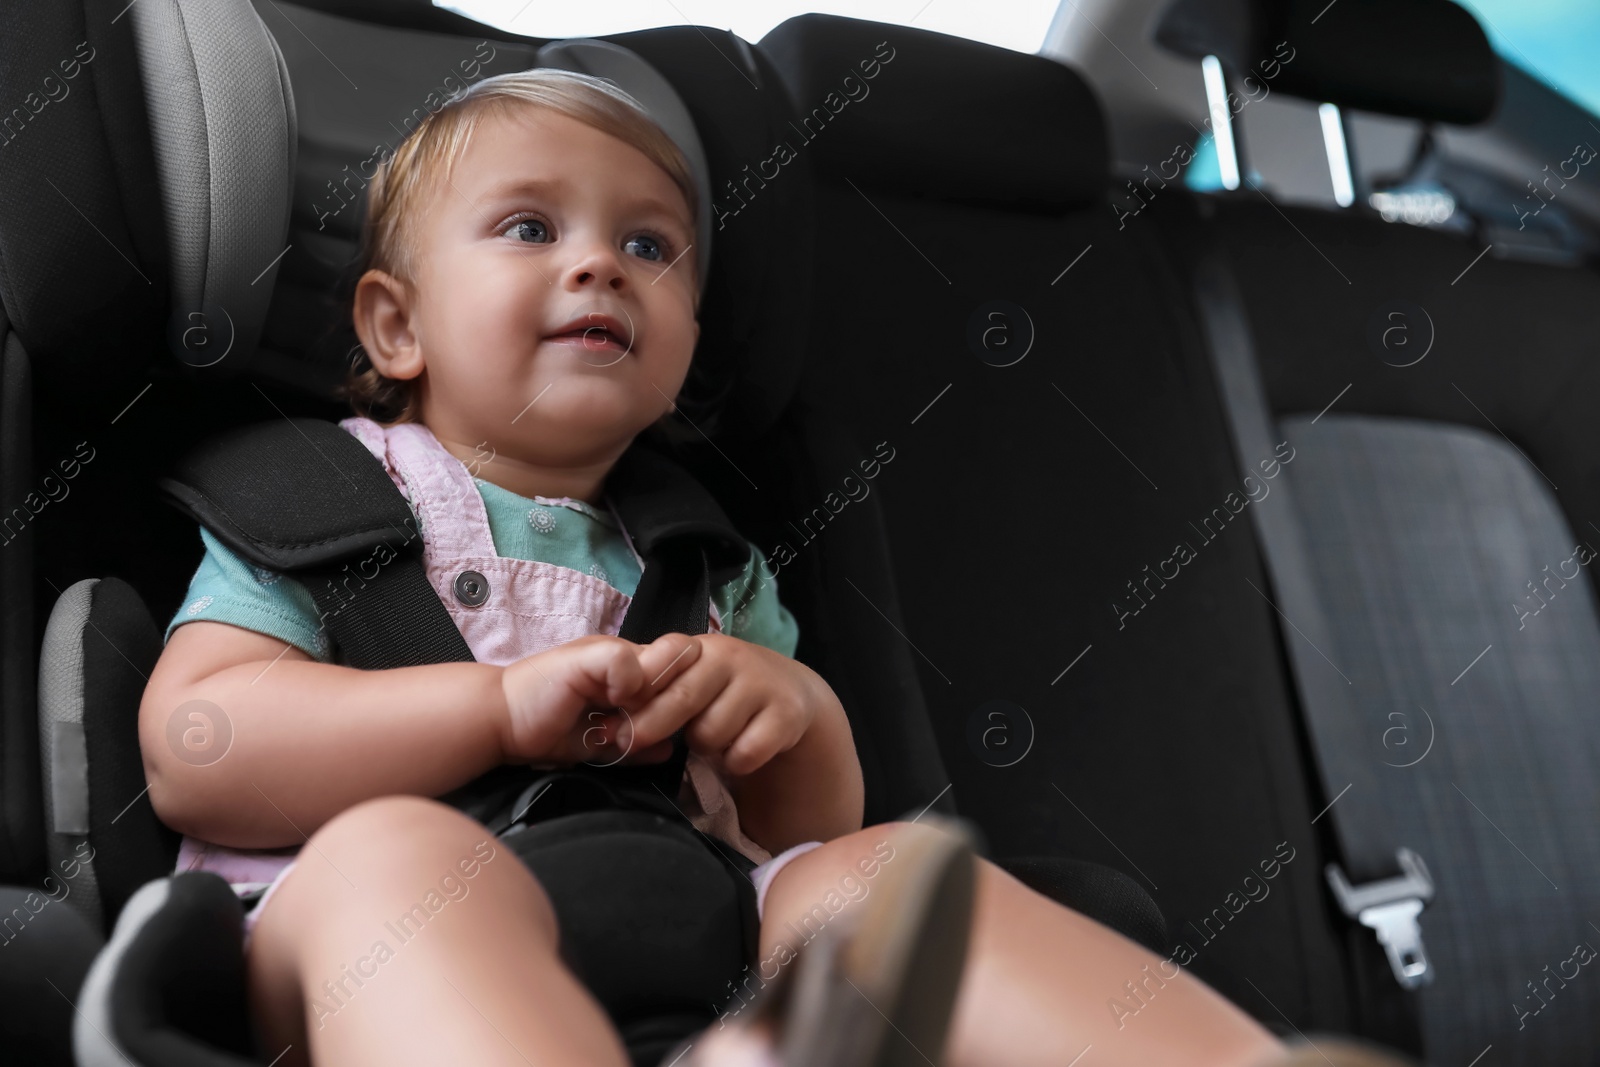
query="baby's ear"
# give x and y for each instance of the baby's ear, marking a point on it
(382, 312)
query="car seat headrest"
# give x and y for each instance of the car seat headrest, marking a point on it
(646, 85)
(263, 197)
(1422, 59)
(222, 126)
(918, 112)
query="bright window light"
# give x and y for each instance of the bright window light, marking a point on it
(1344, 186)
(1221, 121)
(1016, 24)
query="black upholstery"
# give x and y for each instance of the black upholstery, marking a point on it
(965, 406)
(1416, 58)
(1023, 501)
(47, 958)
(120, 648)
(1508, 336)
(1105, 895)
(1445, 372)
(83, 164)
(992, 153)
(1491, 346)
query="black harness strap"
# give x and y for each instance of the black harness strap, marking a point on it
(306, 498)
(302, 496)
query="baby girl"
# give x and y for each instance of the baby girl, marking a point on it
(528, 306)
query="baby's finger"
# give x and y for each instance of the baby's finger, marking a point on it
(609, 740)
(605, 671)
(595, 737)
(675, 703)
(664, 659)
(761, 739)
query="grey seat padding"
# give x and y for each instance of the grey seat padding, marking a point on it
(1459, 611)
(64, 751)
(222, 119)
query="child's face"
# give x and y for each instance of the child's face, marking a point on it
(594, 232)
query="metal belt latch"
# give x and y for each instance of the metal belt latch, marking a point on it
(1390, 908)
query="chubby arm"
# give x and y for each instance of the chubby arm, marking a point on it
(250, 743)
(777, 731)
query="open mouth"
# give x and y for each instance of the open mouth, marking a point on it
(596, 331)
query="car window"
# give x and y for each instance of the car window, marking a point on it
(1018, 24)
(1553, 40)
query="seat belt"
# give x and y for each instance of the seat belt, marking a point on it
(1383, 885)
(304, 497)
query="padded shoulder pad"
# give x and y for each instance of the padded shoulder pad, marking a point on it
(660, 501)
(292, 494)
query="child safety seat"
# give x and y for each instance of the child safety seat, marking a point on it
(305, 498)
(182, 167)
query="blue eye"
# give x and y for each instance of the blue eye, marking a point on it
(538, 232)
(647, 247)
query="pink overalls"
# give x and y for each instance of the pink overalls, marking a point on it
(531, 606)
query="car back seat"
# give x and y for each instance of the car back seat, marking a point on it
(1439, 393)
(1055, 430)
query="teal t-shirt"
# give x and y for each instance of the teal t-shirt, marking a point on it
(571, 533)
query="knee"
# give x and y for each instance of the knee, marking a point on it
(839, 871)
(879, 844)
(415, 847)
(392, 823)
(396, 833)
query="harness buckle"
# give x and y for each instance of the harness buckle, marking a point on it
(1390, 908)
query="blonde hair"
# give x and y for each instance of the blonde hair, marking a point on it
(423, 164)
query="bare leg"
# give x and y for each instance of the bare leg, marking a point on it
(427, 963)
(1039, 977)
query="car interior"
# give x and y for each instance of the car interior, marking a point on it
(1294, 457)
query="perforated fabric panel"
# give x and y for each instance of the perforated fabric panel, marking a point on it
(1461, 616)
(103, 837)
(61, 701)
(223, 123)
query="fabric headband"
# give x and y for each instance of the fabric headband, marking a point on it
(629, 72)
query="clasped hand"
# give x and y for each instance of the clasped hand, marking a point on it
(741, 704)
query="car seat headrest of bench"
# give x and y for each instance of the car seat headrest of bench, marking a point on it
(1422, 59)
(868, 94)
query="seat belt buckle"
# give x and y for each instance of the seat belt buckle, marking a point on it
(1390, 908)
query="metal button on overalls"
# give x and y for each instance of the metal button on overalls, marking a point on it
(472, 588)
